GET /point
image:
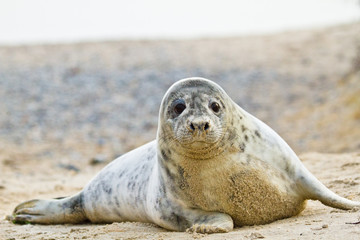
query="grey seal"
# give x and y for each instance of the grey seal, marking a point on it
(212, 166)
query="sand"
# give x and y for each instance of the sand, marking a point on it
(340, 172)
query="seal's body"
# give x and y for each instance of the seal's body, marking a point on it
(212, 166)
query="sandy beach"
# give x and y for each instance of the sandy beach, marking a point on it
(69, 109)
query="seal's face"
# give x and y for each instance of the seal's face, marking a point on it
(193, 115)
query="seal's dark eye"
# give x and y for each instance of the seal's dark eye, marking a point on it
(179, 107)
(215, 107)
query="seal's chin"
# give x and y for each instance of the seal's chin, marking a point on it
(198, 145)
(200, 150)
(195, 142)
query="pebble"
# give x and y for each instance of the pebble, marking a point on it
(255, 235)
(69, 167)
(98, 159)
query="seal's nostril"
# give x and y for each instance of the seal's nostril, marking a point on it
(199, 126)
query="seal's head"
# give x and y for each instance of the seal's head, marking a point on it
(193, 117)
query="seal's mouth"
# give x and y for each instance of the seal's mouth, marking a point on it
(197, 133)
(198, 144)
(199, 140)
(199, 148)
(200, 137)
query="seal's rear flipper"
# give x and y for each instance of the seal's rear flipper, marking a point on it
(56, 211)
(315, 190)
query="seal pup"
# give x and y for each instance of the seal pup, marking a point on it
(213, 166)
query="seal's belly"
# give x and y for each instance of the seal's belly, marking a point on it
(252, 199)
(249, 194)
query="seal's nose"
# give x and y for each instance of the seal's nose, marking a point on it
(200, 125)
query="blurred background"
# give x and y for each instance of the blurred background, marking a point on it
(41, 21)
(83, 80)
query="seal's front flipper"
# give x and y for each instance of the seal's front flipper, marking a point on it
(56, 211)
(194, 220)
(212, 223)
